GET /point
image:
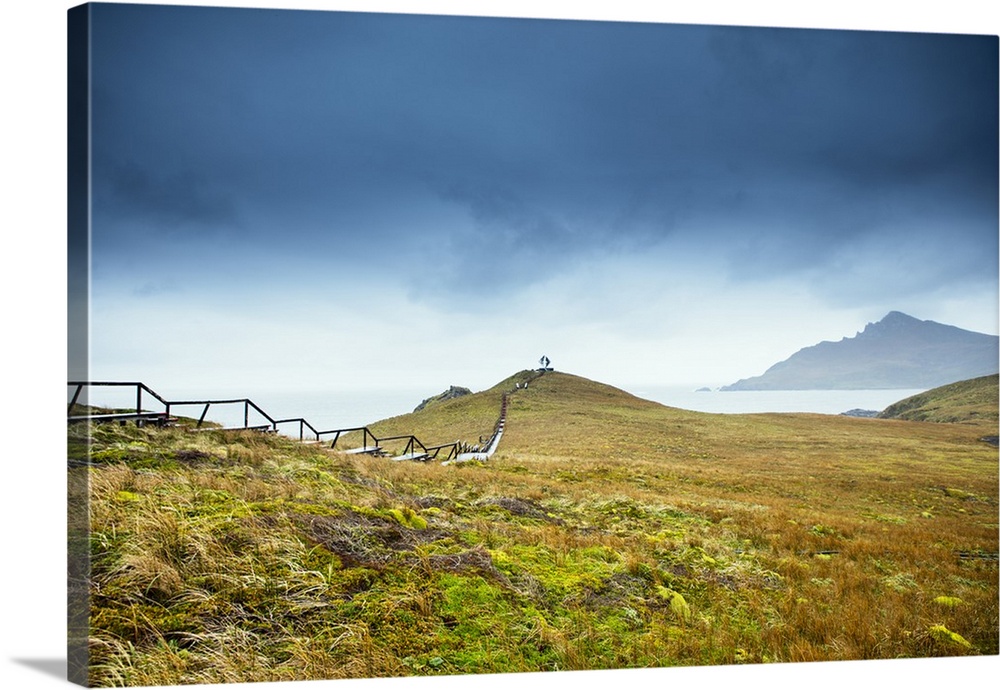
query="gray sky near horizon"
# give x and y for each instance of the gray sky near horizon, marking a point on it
(332, 200)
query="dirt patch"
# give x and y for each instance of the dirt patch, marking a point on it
(197, 457)
(476, 560)
(677, 570)
(520, 507)
(439, 502)
(364, 541)
(614, 591)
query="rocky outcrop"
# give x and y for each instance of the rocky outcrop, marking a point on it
(450, 394)
(858, 412)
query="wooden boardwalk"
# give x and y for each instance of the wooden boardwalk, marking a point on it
(413, 451)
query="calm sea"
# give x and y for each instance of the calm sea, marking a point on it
(338, 410)
(735, 402)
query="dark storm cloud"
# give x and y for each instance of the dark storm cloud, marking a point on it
(168, 198)
(524, 145)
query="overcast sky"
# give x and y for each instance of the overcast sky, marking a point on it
(336, 200)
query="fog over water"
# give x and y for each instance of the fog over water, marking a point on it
(821, 401)
(337, 410)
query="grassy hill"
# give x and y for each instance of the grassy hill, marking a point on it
(607, 532)
(964, 401)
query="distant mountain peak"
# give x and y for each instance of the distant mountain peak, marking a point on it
(899, 351)
(894, 320)
(898, 317)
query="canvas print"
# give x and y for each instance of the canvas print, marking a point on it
(425, 345)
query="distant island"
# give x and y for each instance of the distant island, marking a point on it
(899, 351)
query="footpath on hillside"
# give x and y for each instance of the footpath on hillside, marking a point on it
(78, 412)
(490, 446)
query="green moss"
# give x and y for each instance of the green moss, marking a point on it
(622, 508)
(948, 602)
(959, 493)
(407, 517)
(418, 522)
(892, 519)
(601, 553)
(481, 629)
(823, 531)
(142, 622)
(901, 582)
(321, 559)
(111, 455)
(643, 570)
(678, 605)
(942, 634)
(350, 581)
(305, 508)
(562, 574)
(78, 449)
(214, 496)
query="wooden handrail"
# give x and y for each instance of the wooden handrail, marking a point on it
(140, 388)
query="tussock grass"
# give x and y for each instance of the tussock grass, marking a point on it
(607, 532)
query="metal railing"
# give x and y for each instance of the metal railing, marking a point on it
(164, 416)
(139, 415)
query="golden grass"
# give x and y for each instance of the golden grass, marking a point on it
(607, 532)
(964, 401)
